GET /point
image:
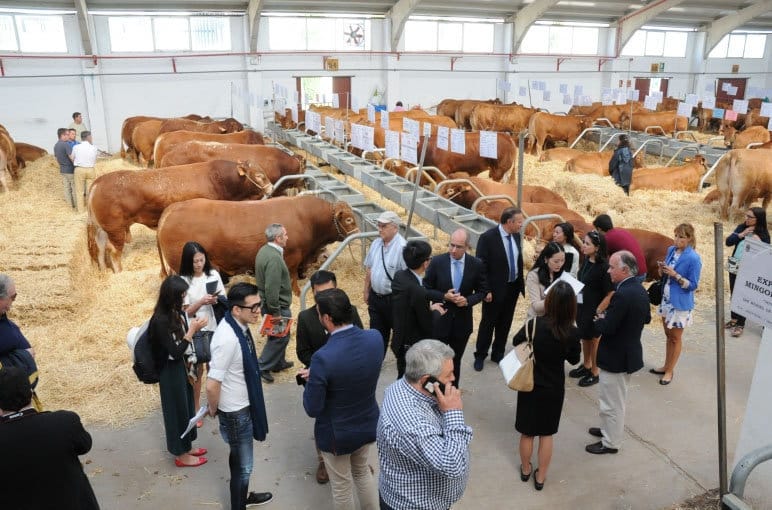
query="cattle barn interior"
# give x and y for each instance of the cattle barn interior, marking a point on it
(268, 64)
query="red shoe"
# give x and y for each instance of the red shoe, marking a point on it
(198, 452)
(201, 462)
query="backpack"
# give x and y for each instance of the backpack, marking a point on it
(144, 364)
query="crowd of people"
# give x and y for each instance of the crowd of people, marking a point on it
(421, 305)
(76, 155)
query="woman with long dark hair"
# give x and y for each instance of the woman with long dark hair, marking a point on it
(198, 273)
(555, 341)
(563, 234)
(620, 166)
(170, 335)
(594, 298)
(754, 227)
(548, 268)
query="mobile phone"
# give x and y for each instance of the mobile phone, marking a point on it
(429, 385)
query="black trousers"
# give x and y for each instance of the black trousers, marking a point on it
(495, 324)
(379, 310)
(735, 316)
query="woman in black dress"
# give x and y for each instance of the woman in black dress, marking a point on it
(170, 336)
(594, 298)
(555, 341)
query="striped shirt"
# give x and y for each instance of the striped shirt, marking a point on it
(423, 453)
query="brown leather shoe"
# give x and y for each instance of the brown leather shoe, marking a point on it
(321, 474)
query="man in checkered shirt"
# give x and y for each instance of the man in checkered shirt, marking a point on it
(423, 442)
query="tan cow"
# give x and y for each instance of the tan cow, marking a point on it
(545, 126)
(740, 139)
(119, 199)
(596, 163)
(507, 118)
(233, 232)
(674, 178)
(668, 121)
(26, 153)
(464, 195)
(743, 176)
(9, 148)
(613, 112)
(560, 154)
(166, 141)
(464, 111)
(127, 130)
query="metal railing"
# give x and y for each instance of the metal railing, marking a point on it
(650, 141)
(710, 171)
(690, 133)
(691, 147)
(654, 127)
(530, 219)
(588, 130)
(487, 198)
(613, 135)
(740, 476)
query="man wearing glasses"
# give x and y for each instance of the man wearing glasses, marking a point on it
(457, 280)
(234, 391)
(383, 261)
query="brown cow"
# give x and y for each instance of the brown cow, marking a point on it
(508, 118)
(584, 110)
(28, 153)
(118, 199)
(493, 209)
(544, 126)
(654, 247)
(673, 178)
(740, 139)
(448, 107)
(228, 125)
(127, 129)
(596, 163)
(464, 111)
(311, 222)
(9, 148)
(613, 112)
(465, 195)
(143, 138)
(166, 141)
(668, 121)
(754, 118)
(274, 162)
(471, 162)
(560, 154)
(3, 171)
(742, 176)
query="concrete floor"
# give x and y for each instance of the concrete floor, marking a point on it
(670, 453)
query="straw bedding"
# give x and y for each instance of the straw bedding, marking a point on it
(77, 318)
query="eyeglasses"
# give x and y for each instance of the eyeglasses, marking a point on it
(254, 308)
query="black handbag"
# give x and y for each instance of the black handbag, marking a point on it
(202, 341)
(655, 292)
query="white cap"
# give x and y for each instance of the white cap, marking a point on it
(389, 217)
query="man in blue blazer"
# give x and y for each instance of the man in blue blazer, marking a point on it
(620, 352)
(340, 394)
(457, 280)
(501, 251)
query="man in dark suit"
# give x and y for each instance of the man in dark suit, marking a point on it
(412, 313)
(457, 280)
(311, 336)
(340, 394)
(501, 251)
(40, 467)
(620, 352)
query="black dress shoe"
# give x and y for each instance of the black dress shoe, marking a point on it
(588, 380)
(599, 449)
(284, 366)
(664, 382)
(595, 431)
(258, 498)
(538, 485)
(266, 376)
(524, 477)
(656, 372)
(478, 364)
(579, 371)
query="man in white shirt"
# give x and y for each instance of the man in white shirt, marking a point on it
(234, 391)
(84, 158)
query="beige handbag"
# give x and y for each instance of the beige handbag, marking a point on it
(523, 378)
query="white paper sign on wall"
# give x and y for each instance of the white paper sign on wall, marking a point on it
(752, 295)
(368, 135)
(329, 127)
(578, 90)
(411, 126)
(731, 90)
(563, 88)
(371, 113)
(443, 133)
(340, 132)
(567, 99)
(521, 91)
(409, 148)
(709, 102)
(392, 144)
(458, 141)
(740, 105)
(294, 109)
(385, 119)
(691, 99)
(313, 122)
(427, 129)
(488, 144)
(546, 95)
(633, 94)
(766, 110)
(684, 109)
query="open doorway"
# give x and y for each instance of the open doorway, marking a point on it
(646, 85)
(320, 90)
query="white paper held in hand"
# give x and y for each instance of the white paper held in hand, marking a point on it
(192, 423)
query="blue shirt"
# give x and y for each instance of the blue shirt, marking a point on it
(423, 453)
(11, 337)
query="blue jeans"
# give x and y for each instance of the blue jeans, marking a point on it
(236, 430)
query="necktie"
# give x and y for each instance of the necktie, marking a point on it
(511, 255)
(456, 274)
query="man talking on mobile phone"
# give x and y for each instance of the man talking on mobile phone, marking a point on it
(423, 442)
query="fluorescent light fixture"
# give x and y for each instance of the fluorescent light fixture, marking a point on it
(573, 3)
(319, 15)
(669, 29)
(456, 19)
(103, 12)
(36, 12)
(571, 24)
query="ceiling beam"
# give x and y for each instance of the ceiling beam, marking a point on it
(398, 16)
(85, 33)
(254, 9)
(525, 18)
(718, 29)
(627, 25)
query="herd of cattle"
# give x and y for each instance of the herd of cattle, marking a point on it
(14, 156)
(214, 181)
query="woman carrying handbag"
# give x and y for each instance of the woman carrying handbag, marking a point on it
(555, 341)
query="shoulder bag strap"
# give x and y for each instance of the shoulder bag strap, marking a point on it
(383, 261)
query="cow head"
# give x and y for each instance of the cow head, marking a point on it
(700, 160)
(231, 125)
(344, 220)
(729, 133)
(301, 163)
(256, 176)
(453, 191)
(638, 161)
(624, 120)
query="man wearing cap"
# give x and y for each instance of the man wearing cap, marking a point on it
(84, 158)
(382, 262)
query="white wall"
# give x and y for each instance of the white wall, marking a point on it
(39, 95)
